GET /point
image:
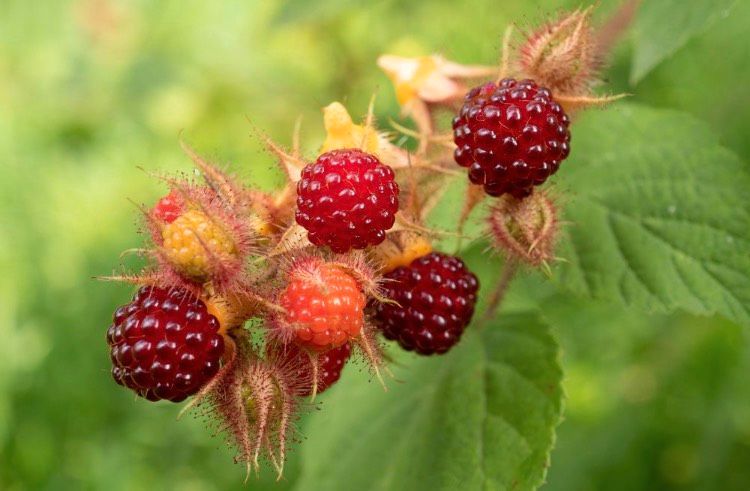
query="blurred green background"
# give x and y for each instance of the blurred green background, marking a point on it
(93, 90)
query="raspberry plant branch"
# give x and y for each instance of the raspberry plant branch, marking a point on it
(510, 268)
(253, 301)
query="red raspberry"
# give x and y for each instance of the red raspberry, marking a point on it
(436, 294)
(324, 307)
(330, 365)
(164, 344)
(346, 199)
(169, 207)
(511, 136)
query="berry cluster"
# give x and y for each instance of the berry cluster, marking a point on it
(324, 307)
(330, 364)
(194, 243)
(511, 136)
(164, 344)
(347, 200)
(434, 301)
(168, 208)
(253, 300)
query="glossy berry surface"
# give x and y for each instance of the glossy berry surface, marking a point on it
(169, 207)
(164, 344)
(330, 365)
(346, 200)
(436, 295)
(511, 136)
(324, 307)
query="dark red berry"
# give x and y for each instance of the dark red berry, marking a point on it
(330, 365)
(346, 200)
(511, 136)
(164, 344)
(436, 294)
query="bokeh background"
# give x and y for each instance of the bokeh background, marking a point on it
(94, 96)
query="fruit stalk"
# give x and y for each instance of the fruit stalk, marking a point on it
(498, 294)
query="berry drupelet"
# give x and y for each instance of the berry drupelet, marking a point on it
(346, 200)
(324, 307)
(169, 207)
(164, 344)
(436, 295)
(330, 365)
(197, 245)
(511, 136)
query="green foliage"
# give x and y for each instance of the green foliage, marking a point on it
(481, 418)
(664, 26)
(667, 220)
(702, 79)
(657, 216)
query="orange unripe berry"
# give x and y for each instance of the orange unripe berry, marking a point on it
(324, 307)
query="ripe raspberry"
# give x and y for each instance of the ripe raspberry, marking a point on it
(436, 294)
(346, 199)
(164, 344)
(324, 307)
(330, 365)
(194, 244)
(169, 207)
(511, 136)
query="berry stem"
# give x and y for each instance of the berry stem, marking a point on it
(315, 375)
(505, 55)
(373, 356)
(295, 137)
(474, 195)
(215, 179)
(368, 123)
(509, 271)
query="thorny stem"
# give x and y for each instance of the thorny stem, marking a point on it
(474, 196)
(295, 137)
(509, 271)
(315, 368)
(368, 122)
(505, 60)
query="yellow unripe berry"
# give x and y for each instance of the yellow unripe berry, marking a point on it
(195, 244)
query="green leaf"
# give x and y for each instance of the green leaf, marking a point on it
(481, 417)
(664, 26)
(659, 214)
